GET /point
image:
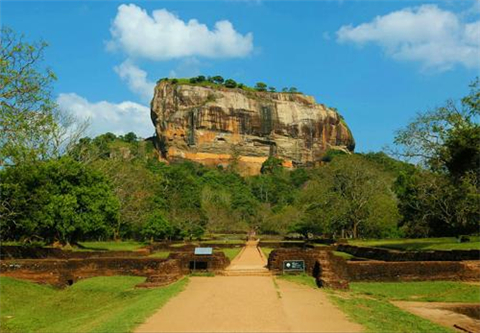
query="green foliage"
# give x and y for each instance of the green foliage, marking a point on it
(443, 199)
(260, 86)
(229, 83)
(157, 228)
(349, 196)
(218, 79)
(331, 153)
(31, 126)
(271, 165)
(57, 200)
(111, 304)
(130, 137)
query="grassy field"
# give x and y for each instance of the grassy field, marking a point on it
(368, 303)
(112, 246)
(430, 291)
(225, 241)
(232, 253)
(266, 251)
(100, 304)
(344, 255)
(300, 278)
(160, 254)
(419, 244)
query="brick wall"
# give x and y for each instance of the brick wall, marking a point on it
(277, 256)
(411, 271)
(61, 272)
(393, 255)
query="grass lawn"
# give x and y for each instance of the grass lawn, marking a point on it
(112, 246)
(231, 253)
(418, 244)
(266, 251)
(368, 303)
(224, 241)
(300, 278)
(100, 304)
(425, 291)
(344, 255)
(160, 254)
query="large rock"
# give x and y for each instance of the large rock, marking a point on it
(216, 126)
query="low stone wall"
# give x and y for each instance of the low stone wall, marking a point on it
(309, 255)
(333, 271)
(412, 271)
(393, 255)
(214, 263)
(61, 272)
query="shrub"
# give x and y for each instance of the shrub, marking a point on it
(230, 83)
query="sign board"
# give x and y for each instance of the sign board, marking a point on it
(293, 266)
(203, 250)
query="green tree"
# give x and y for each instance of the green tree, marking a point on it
(218, 79)
(446, 142)
(272, 164)
(57, 200)
(260, 86)
(137, 190)
(445, 138)
(350, 197)
(31, 125)
(229, 83)
(130, 137)
(157, 228)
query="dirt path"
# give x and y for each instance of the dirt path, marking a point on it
(248, 304)
(249, 260)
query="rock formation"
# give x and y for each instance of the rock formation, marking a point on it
(214, 125)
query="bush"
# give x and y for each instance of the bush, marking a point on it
(157, 227)
(260, 86)
(230, 83)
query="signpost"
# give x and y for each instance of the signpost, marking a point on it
(201, 251)
(293, 266)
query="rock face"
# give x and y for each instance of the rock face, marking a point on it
(219, 126)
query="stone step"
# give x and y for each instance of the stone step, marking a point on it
(161, 278)
(246, 272)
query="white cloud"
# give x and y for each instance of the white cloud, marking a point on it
(136, 79)
(188, 67)
(104, 116)
(164, 36)
(434, 37)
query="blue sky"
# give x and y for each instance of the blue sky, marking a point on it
(377, 62)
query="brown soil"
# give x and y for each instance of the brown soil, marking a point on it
(446, 314)
(248, 304)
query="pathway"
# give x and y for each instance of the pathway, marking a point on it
(248, 301)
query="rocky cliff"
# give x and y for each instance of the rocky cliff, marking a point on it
(217, 125)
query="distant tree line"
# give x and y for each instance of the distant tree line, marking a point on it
(229, 83)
